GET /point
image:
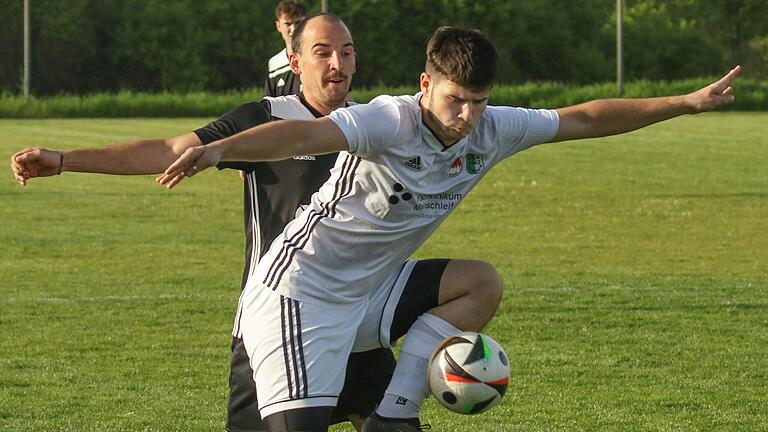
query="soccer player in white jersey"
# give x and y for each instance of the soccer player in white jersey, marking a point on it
(406, 162)
(324, 58)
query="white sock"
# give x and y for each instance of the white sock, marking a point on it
(409, 389)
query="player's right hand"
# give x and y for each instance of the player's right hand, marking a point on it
(35, 162)
(191, 162)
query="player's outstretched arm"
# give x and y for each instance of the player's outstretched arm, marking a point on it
(615, 116)
(134, 157)
(268, 142)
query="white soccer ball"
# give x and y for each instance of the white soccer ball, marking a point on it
(468, 373)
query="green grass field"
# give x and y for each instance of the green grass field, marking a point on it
(636, 273)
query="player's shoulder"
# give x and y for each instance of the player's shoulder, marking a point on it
(516, 114)
(493, 111)
(288, 107)
(278, 61)
(398, 106)
(250, 110)
(398, 101)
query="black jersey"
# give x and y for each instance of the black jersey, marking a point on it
(273, 191)
(281, 81)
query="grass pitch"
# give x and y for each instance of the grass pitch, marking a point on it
(636, 272)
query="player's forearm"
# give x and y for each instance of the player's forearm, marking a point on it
(132, 157)
(280, 140)
(615, 116)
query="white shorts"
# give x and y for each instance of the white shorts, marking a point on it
(298, 351)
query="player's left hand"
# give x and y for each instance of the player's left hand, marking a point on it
(714, 95)
(191, 162)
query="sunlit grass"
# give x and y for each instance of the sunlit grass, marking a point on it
(635, 270)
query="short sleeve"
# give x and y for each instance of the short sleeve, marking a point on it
(233, 122)
(369, 128)
(518, 129)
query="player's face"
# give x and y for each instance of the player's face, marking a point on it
(326, 63)
(286, 25)
(450, 110)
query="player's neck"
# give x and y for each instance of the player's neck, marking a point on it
(323, 108)
(433, 124)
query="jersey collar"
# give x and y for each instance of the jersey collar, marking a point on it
(309, 107)
(312, 109)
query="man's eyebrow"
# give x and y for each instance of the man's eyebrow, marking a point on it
(327, 45)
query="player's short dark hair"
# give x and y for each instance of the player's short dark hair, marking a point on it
(463, 56)
(291, 8)
(299, 30)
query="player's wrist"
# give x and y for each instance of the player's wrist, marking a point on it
(61, 163)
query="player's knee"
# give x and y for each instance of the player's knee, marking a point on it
(492, 285)
(489, 284)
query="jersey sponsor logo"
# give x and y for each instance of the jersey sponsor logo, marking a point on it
(414, 164)
(474, 163)
(306, 158)
(400, 194)
(455, 167)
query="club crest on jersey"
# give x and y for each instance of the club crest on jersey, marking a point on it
(474, 163)
(455, 168)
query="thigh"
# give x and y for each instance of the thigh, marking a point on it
(242, 405)
(299, 420)
(396, 304)
(298, 351)
(368, 376)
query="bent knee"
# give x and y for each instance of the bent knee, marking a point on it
(477, 280)
(489, 282)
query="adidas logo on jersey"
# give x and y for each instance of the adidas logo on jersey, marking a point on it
(414, 164)
(306, 158)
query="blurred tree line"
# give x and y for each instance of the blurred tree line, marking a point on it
(85, 46)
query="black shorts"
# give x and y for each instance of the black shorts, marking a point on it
(368, 373)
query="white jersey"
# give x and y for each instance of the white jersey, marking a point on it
(385, 196)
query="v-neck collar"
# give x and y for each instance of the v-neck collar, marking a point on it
(309, 107)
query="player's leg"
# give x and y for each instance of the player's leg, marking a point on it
(315, 419)
(368, 375)
(468, 294)
(242, 405)
(298, 352)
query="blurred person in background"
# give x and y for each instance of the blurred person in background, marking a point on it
(281, 81)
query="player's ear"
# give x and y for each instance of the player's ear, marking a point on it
(425, 83)
(277, 26)
(293, 61)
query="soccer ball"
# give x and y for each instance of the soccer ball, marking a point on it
(468, 373)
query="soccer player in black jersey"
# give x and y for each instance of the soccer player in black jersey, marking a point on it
(324, 59)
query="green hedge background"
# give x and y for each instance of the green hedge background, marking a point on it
(751, 95)
(94, 46)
